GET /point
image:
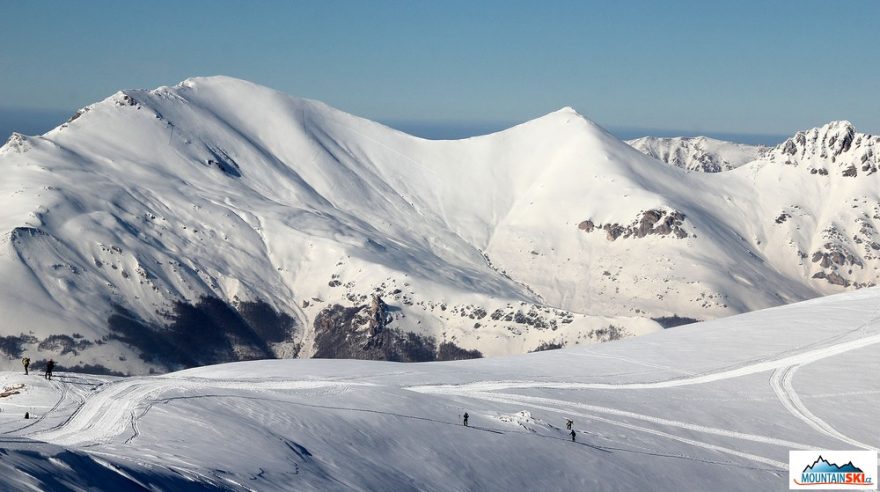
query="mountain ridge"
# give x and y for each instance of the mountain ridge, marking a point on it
(703, 154)
(216, 199)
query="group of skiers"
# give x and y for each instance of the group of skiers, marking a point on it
(569, 424)
(50, 366)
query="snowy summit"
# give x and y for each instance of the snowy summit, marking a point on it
(218, 220)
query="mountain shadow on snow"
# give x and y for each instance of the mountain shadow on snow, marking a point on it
(674, 320)
(29, 468)
(210, 331)
(14, 345)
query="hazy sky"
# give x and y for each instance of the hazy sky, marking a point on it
(697, 67)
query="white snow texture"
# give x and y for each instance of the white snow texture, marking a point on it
(546, 233)
(710, 406)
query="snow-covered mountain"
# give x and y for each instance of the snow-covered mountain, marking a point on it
(701, 154)
(723, 417)
(220, 220)
(835, 147)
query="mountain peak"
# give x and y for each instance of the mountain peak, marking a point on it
(192, 82)
(16, 142)
(568, 110)
(836, 142)
(838, 125)
(568, 115)
(226, 190)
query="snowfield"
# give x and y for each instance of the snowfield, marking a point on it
(218, 220)
(710, 406)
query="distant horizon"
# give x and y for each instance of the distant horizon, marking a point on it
(39, 121)
(451, 130)
(742, 69)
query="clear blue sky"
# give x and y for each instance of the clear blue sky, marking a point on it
(749, 67)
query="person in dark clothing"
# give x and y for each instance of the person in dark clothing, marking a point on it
(568, 423)
(49, 367)
(465, 419)
(26, 362)
(573, 434)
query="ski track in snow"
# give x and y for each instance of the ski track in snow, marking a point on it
(67, 397)
(782, 386)
(114, 409)
(781, 378)
(528, 400)
(710, 377)
(701, 444)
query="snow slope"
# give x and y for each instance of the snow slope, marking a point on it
(702, 154)
(710, 406)
(220, 220)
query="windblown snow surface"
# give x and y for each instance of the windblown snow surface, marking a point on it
(711, 406)
(219, 220)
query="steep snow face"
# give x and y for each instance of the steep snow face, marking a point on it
(830, 217)
(701, 154)
(221, 220)
(222, 206)
(724, 417)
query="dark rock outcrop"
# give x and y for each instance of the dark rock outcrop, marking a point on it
(378, 315)
(650, 222)
(547, 346)
(355, 333)
(835, 144)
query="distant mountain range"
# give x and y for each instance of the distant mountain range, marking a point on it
(698, 153)
(220, 220)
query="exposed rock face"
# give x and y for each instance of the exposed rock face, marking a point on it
(17, 143)
(587, 226)
(547, 346)
(837, 261)
(835, 255)
(123, 99)
(538, 319)
(833, 278)
(378, 315)
(76, 115)
(608, 334)
(222, 161)
(657, 222)
(836, 144)
(848, 251)
(361, 332)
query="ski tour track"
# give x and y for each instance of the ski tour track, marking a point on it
(110, 410)
(782, 365)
